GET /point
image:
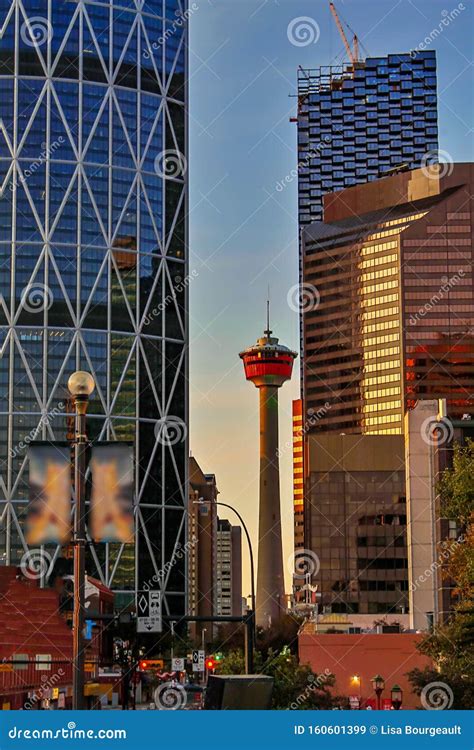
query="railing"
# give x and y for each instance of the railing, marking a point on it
(38, 675)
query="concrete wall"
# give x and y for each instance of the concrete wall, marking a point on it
(421, 514)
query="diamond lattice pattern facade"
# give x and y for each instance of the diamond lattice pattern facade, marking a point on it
(93, 259)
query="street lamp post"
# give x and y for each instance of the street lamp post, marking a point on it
(249, 631)
(357, 682)
(81, 386)
(378, 684)
(397, 695)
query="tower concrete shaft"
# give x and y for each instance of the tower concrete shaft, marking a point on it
(270, 577)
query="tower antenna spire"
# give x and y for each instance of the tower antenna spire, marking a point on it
(268, 332)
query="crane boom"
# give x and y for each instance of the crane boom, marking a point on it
(356, 48)
(353, 56)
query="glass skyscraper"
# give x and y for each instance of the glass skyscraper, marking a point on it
(93, 237)
(357, 121)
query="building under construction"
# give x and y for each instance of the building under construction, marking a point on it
(360, 119)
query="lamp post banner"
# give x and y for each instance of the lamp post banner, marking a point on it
(111, 509)
(50, 492)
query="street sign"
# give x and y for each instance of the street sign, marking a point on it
(177, 665)
(149, 612)
(202, 658)
(199, 658)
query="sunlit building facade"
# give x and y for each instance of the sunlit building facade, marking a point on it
(93, 236)
(298, 473)
(393, 265)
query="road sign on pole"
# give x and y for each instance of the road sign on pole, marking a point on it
(195, 661)
(177, 664)
(202, 659)
(149, 612)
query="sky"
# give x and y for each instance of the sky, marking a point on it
(243, 59)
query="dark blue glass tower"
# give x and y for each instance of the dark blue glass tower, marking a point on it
(357, 121)
(93, 261)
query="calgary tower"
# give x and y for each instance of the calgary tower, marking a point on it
(268, 365)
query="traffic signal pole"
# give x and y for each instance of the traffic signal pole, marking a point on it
(248, 620)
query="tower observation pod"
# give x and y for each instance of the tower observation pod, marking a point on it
(268, 365)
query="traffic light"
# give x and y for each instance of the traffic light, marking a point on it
(150, 664)
(210, 663)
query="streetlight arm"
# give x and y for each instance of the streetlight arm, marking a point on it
(252, 576)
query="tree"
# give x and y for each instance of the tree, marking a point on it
(296, 686)
(451, 646)
(284, 633)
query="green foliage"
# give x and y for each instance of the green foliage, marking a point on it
(451, 646)
(296, 687)
(461, 688)
(456, 487)
(283, 634)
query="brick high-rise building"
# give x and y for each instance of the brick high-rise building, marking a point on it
(202, 543)
(392, 263)
(393, 266)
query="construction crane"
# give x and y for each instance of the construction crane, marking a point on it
(353, 54)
